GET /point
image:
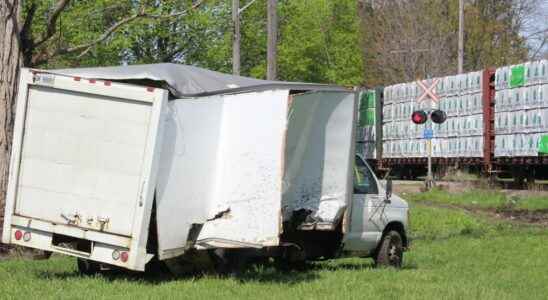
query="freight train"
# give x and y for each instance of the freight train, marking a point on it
(497, 124)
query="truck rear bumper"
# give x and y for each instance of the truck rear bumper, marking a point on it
(42, 235)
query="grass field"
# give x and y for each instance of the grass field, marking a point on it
(455, 255)
(483, 199)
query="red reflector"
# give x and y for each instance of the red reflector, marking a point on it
(107, 83)
(92, 81)
(150, 89)
(124, 256)
(18, 235)
(77, 78)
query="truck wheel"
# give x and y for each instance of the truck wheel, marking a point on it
(390, 252)
(88, 267)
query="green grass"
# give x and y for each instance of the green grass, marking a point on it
(482, 199)
(454, 256)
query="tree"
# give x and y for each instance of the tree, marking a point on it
(32, 37)
(319, 42)
(11, 58)
(404, 40)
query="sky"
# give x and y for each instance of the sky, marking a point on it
(539, 23)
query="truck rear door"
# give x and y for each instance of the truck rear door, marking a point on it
(84, 153)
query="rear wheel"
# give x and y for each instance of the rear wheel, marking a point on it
(88, 267)
(390, 252)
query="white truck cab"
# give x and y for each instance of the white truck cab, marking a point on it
(378, 218)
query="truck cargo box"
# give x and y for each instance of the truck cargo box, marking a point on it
(219, 161)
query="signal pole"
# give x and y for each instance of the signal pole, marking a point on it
(271, 54)
(429, 177)
(461, 37)
(236, 37)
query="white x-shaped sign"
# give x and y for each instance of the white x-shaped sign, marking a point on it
(428, 91)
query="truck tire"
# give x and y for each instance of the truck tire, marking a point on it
(390, 251)
(88, 267)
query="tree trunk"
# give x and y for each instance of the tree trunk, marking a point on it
(10, 64)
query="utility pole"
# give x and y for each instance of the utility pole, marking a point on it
(272, 24)
(461, 36)
(236, 37)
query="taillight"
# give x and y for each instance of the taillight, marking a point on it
(26, 236)
(116, 255)
(124, 256)
(18, 235)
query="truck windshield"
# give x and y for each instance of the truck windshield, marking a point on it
(364, 182)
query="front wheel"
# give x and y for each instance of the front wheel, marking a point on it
(390, 253)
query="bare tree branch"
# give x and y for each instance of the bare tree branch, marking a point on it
(540, 47)
(52, 21)
(85, 48)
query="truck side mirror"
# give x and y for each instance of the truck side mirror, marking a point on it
(388, 190)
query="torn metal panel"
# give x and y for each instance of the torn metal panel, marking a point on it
(221, 167)
(187, 170)
(317, 156)
(250, 169)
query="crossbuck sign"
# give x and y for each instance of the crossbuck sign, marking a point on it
(429, 91)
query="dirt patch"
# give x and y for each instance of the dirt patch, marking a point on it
(525, 193)
(402, 187)
(537, 217)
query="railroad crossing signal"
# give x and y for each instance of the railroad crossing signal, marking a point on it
(421, 117)
(429, 91)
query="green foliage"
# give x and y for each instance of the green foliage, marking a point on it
(80, 23)
(319, 42)
(198, 37)
(318, 39)
(324, 41)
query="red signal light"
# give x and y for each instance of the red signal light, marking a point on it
(419, 117)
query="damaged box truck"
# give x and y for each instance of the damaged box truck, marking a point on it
(122, 166)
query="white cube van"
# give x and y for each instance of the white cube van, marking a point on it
(125, 166)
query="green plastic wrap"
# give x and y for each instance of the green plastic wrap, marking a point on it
(517, 77)
(543, 144)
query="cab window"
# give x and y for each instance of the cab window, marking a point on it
(364, 181)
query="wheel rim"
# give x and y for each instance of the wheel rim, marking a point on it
(394, 253)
